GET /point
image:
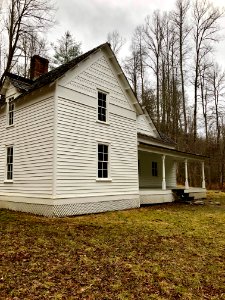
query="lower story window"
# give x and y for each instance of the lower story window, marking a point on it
(9, 164)
(103, 161)
(154, 168)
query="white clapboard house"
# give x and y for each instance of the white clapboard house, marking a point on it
(75, 140)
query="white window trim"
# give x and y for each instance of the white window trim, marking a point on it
(107, 107)
(108, 179)
(6, 147)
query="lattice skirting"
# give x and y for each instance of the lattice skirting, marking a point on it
(72, 208)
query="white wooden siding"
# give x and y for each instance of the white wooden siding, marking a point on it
(145, 170)
(32, 138)
(77, 151)
(98, 75)
(79, 133)
(144, 126)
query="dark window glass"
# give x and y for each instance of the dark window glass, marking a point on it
(154, 168)
(103, 161)
(9, 175)
(102, 107)
(11, 112)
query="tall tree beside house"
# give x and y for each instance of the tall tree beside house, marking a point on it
(134, 64)
(22, 19)
(205, 20)
(65, 49)
(28, 47)
(180, 19)
(153, 36)
(116, 41)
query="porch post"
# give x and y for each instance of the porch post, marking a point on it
(163, 173)
(186, 174)
(203, 175)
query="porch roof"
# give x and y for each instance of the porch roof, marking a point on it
(170, 152)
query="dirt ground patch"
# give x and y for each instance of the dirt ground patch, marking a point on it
(173, 251)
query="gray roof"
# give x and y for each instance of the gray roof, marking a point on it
(21, 83)
(58, 72)
(163, 139)
(26, 86)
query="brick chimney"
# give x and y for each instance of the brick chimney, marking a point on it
(38, 66)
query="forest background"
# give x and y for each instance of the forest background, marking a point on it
(171, 65)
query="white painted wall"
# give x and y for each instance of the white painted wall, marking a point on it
(145, 170)
(32, 138)
(144, 126)
(79, 132)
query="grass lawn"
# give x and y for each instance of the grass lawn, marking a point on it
(170, 251)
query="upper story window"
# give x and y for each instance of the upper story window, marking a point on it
(103, 161)
(9, 163)
(154, 168)
(102, 107)
(11, 107)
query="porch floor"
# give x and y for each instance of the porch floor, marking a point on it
(157, 195)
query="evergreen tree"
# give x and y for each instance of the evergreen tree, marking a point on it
(65, 50)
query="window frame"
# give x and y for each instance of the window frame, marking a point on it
(108, 178)
(7, 179)
(10, 112)
(106, 107)
(155, 171)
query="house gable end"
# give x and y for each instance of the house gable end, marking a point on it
(98, 72)
(145, 126)
(11, 91)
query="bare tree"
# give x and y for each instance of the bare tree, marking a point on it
(138, 42)
(131, 68)
(116, 41)
(27, 47)
(205, 19)
(180, 16)
(153, 36)
(205, 95)
(217, 78)
(23, 18)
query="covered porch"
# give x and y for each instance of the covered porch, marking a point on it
(157, 167)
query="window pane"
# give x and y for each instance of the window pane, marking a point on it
(102, 106)
(104, 97)
(100, 148)
(99, 95)
(99, 102)
(9, 159)
(10, 112)
(105, 173)
(102, 161)
(154, 169)
(104, 164)
(105, 148)
(99, 165)
(99, 173)
(100, 156)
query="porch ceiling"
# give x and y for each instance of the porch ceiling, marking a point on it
(170, 152)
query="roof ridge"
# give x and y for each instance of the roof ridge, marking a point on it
(56, 73)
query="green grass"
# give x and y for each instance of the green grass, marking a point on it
(156, 252)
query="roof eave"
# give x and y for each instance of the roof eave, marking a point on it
(121, 74)
(173, 152)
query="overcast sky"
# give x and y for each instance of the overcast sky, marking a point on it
(90, 20)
